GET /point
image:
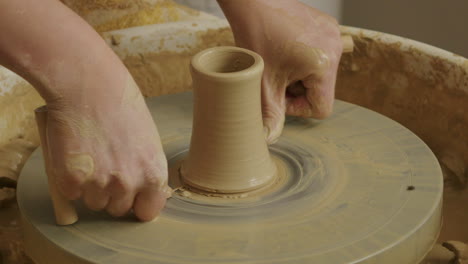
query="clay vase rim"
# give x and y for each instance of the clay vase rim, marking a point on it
(201, 60)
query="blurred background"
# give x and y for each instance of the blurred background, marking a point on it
(443, 24)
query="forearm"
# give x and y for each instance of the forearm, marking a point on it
(53, 48)
(241, 13)
(248, 18)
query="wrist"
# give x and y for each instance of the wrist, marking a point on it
(88, 85)
(74, 72)
(251, 18)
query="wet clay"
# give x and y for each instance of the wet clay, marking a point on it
(81, 164)
(228, 151)
(182, 189)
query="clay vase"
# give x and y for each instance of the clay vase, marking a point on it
(228, 152)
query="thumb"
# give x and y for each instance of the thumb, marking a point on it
(310, 98)
(273, 111)
(149, 202)
(313, 94)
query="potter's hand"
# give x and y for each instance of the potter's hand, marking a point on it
(108, 152)
(103, 144)
(301, 48)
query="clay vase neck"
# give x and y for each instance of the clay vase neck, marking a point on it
(228, 152)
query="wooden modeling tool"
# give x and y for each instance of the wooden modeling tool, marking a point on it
(65, 213)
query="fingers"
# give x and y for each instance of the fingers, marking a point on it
(95, 197)
(148, 203)
(147, 198)
(118, 193)
(310, 98)
(100, 151)
(152, 197)
(122, 189)
(69, 184)
(320, 95)
(120, 205)
(313, 95)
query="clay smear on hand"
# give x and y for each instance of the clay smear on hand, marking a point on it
(80, 164)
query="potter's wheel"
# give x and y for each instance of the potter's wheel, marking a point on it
(360, 188)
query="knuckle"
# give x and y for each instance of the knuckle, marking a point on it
(122, 187)
(69, 179)
(101, 182)
(119, 185)
(95, 199)
(155, 173)
(152, 176)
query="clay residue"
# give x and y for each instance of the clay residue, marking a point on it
(164, 12)
(424, 93)
(106, 15)
(184, 190)
(12, 158)
(168, 72)
(18, 134)
(80, 164)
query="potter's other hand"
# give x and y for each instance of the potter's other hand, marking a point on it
(301, 48)
(107, 151)
(103, 145)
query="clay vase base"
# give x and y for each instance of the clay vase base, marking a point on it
(195, 188)
(283, 174)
